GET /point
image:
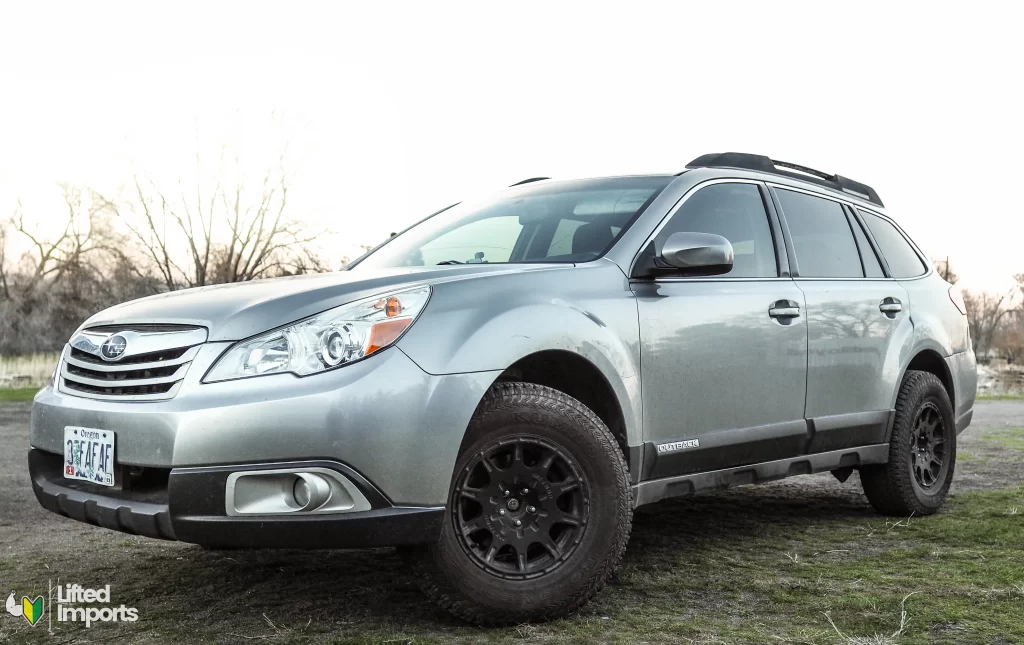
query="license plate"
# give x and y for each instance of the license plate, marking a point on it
(89, 455)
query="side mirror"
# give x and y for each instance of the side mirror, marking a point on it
(698, 253)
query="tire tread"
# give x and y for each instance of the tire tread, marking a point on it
(516, 395)
(889, 487)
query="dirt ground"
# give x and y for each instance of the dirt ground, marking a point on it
(187, 594)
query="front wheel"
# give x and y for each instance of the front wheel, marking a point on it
(539, 512)
(922, 451)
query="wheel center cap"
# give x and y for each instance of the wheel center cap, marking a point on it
(513, 504)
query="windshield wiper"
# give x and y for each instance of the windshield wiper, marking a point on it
(450, 262)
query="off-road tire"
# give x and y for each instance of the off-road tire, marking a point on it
(447, 572)
(893, 488)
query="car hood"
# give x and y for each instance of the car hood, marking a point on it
(240, 310)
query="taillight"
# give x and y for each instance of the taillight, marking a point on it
(957, 297)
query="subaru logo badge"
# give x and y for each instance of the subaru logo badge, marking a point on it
(113, 347)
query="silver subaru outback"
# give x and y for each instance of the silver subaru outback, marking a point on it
(497, 388)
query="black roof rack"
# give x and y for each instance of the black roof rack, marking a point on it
(762, 163)
(528, 181)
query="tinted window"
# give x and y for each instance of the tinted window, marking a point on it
(736, 212)
(822, 239)
(566, 221)
(872, 268)
(493, 238)
(566, 234)
(899, 255)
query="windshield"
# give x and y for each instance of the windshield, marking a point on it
(571, 221)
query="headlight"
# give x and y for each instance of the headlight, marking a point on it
(324, 341)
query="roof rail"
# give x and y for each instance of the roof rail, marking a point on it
(528, 181)
(762, 163)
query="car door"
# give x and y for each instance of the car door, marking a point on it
(858, 321)
(723, 358)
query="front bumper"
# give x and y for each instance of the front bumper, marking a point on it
(187, 504)
(393, 423)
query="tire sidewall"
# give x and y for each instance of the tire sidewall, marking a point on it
(577, 433)
(932, 391)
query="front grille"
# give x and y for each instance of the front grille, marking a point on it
(152, 368)
(151, 357)
(126, 375)
(133, 390)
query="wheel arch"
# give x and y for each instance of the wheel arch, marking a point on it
(929, 359)
(578, 377)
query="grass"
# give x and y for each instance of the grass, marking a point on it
(1009, 438)
(713, 569)
(30, 370)
(22, 376)
(1013, 396)
(8, 395)
(960, 573)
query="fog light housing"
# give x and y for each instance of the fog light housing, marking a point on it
(292, 491)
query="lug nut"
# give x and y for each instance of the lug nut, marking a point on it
(501, 511)
(518, 523)
(525, 491)
(530, 509)
(507, 492)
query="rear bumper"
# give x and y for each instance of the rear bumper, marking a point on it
(187, 504)
(963, 368)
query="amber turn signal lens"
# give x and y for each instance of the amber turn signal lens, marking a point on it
(386, 332)
(392, 307)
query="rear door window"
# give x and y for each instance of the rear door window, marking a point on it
(903, 261)
(822, 239)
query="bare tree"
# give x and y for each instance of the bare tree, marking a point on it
(50, 258)
(945, 270)
(985, 312)
(199, 237)
(1009, 339)
(263, 241)
(5, 285)
(63, 275)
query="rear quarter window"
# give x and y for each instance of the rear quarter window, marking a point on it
(903, 261)
(872, 268)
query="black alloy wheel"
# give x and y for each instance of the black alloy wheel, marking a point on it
(522, 507)
(928, 446)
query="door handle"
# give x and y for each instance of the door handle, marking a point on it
(890, 306)
(784, 309)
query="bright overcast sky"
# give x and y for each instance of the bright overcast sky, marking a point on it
(392, 111)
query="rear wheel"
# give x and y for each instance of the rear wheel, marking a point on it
(922, 451)
(539, 512)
